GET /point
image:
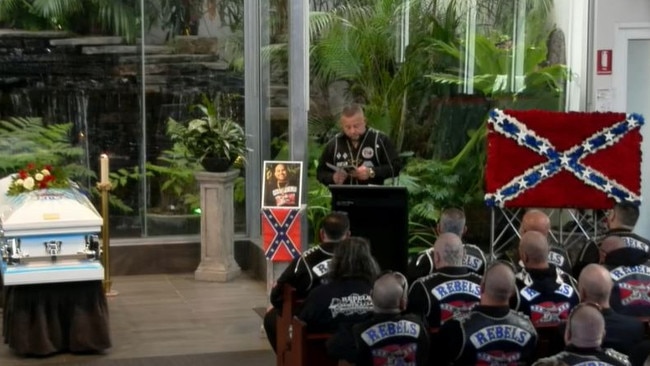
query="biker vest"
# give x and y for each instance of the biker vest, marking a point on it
(508, 340)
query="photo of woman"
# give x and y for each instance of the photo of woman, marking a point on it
(282, 184)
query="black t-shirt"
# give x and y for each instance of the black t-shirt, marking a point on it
(338, 302)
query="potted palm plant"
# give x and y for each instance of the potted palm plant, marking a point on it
(214, 140)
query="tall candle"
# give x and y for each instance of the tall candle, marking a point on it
(103, 164)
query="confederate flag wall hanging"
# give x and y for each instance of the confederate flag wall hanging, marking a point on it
(563, 160)
(281, 233)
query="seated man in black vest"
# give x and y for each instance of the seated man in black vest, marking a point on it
(308, 270)
(544, 292)
(452, 220)
(630, 272)
(536, 220)
(620, 222)
(491, 333)
(622, 333)
(389, 337)
(583, 337)
(451, 291)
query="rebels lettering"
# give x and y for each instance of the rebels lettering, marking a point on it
(495, 333)
(528, 293)
(472, 262)
(321, 268)
(381, 331)
(620, 272)
(633, 243)
(565, 290)
(556, 259)
(456, 287)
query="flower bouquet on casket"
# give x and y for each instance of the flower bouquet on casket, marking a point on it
(37, 176)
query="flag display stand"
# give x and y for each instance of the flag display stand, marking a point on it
(570, 163)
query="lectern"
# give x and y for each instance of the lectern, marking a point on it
(379, 214)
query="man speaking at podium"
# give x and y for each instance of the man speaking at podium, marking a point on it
(357, 155)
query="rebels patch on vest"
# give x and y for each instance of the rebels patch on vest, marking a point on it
(497, 358)
(321, 268)
(549, 313)
(472, 262)
(634, 293)
(455, 309)
(385, 330)
(456, 287)
(496, 333)
(620, 272)
(395, 354)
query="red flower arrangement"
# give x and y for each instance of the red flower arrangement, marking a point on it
(34, 177)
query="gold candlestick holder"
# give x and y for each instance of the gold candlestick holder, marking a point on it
(105, 188)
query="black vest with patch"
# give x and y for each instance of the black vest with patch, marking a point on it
(507, 340)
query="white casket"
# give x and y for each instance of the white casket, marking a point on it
(48, 235)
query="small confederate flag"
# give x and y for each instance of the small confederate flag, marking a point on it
(281, 233)
(556, 160)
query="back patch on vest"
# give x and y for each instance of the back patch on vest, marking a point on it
(321, 268)
(498, 358)
(549, 313)
(395, 354)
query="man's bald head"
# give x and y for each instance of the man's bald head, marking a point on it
(586, 327)
(535, 220)
(498, 285)
(389, 293)
(533, 249)
(449, 251)
(595, 284)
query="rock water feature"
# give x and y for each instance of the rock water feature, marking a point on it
(96, 83)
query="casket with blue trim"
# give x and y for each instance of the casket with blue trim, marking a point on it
(48, 235)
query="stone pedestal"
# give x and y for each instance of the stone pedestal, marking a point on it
(217, 227)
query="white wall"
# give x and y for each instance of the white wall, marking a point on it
(608, 15)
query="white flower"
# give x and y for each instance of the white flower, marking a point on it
(28, 183)
(18, 182)
(45, 172)
(38, 177)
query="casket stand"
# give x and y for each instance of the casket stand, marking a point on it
(52, 275)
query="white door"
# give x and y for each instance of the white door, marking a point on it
(632, 86)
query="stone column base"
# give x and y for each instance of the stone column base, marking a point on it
(216, 272)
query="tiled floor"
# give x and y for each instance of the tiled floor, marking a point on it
(157, 315)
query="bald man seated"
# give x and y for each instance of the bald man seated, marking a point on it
(631, 277)
(389, 337)
(621, 220)
(537, 220)
(451, 291)
(492, 333)
(583, 337)
(622, 333)
(452, 220)
(544, 292)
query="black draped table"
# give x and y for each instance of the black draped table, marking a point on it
(43, 319)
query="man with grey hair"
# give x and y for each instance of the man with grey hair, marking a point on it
(452, 220)
(388, 335)
(491, 333)
(583, 337)
(451, 291)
